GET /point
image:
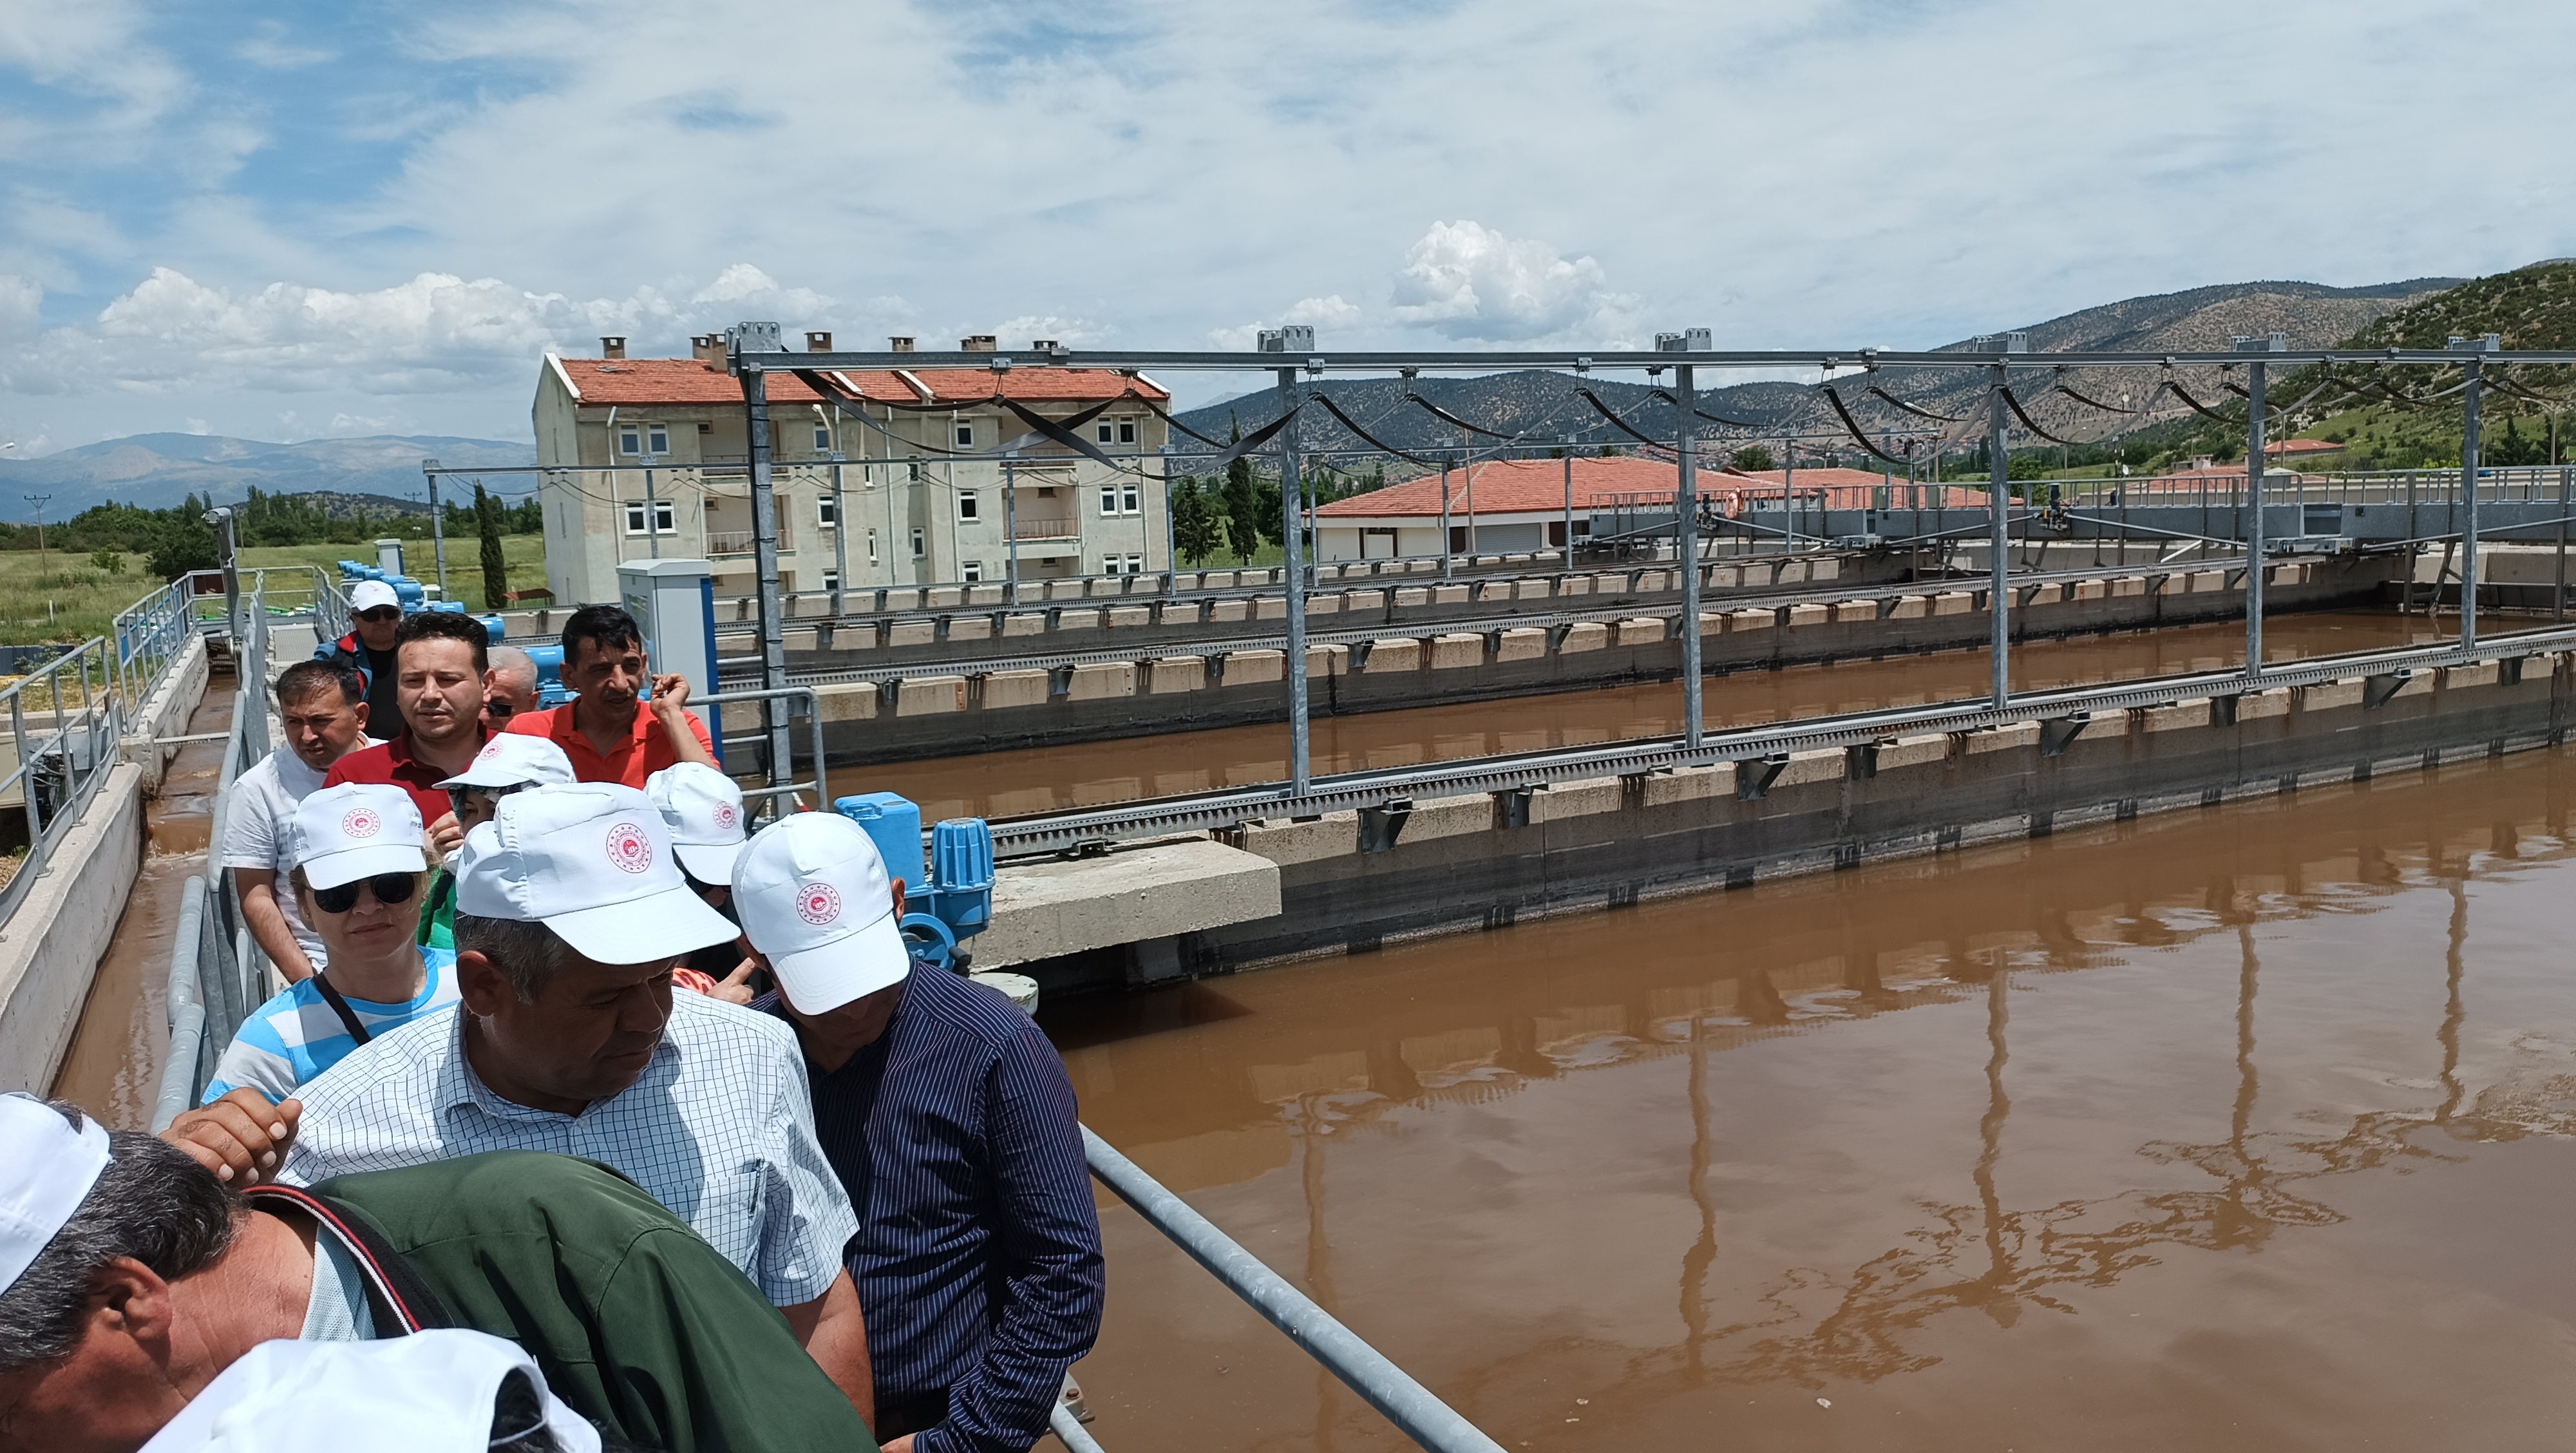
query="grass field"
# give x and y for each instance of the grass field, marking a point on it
(60, 597)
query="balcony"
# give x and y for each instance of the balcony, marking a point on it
(1026, 526)
(741, 542)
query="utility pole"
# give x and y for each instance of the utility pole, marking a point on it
(1686, 549)
(438, 527)
(2476, 369)
(38, 500)
(2254, 380)
(764, 545)
(1998, 535)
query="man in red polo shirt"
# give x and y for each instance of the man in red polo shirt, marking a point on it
(440, 665)
(609, 732)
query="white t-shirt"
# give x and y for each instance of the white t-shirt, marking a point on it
(259, 829)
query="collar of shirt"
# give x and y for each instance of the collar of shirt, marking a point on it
(566, 731)
(462, 1087)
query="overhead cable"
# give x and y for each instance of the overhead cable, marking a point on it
(2027, 421)
(1349, 423)
(1854, 426)
(1922, 413)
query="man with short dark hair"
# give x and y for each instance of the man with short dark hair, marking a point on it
(442, 662)
(131, 1277)
(611, 734)
(375, 613)
(322, 713)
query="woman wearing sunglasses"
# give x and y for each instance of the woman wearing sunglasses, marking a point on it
(360, 866)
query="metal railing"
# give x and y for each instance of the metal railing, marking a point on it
(782, 778)
(1414, 1410)
(66, 725)
(218, 973)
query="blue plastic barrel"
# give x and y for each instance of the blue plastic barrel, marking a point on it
(893, 822)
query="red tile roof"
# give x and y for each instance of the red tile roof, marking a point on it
(681, 381)
(1537, 486)
(2302, 446)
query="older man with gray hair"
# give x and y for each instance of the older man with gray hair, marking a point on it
(509, 686)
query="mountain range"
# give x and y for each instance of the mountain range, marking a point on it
(156, 471)
(1545, 404)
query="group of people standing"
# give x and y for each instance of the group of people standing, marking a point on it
(569, 1060)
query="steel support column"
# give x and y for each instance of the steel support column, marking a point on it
(1292, 513)
(764, 547)
(1566, 559)
(1686, 549)
(840, 534)
(1999, 537)
(438, 529)
(2254, 530)
(2469, 485)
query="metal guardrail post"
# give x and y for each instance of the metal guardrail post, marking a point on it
(1419, 1415)
(179, 1072)
(1069, 1431)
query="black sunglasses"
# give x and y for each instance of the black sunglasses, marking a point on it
(380, 613)
(389, 888)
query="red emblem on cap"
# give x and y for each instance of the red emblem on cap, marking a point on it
(629, 849)
(361, 822)
(818, 904)
(726, 816)
(490, 750)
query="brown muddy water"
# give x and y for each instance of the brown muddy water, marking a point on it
(113, 1068)
(1049, 779)
(2252, 1127)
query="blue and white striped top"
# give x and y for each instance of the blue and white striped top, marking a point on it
(295, 1036)
(978, 1254)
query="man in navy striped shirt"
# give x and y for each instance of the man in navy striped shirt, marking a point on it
(950, 1120)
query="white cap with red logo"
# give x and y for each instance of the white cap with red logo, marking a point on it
(369, 594)
(703, 809)
(357, 830)
(515, 759)
(592, 861)
(814, 898)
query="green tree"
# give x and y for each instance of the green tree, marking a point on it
(1752, 458)
(1195, 530)
(496, 568)
(1246, 522)
(181, 542)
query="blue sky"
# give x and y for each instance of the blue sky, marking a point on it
(288, 221)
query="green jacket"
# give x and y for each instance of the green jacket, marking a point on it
(638, 1324)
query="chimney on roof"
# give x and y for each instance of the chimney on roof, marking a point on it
(612, 348)
(708, 348)
(900, 343)
(1044, 345)
(818, 342)
(978, 343)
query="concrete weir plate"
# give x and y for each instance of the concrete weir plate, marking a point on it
(1157, 891)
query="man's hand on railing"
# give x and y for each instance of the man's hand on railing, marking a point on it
(241, 1138)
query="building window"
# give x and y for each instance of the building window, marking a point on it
(630, 439)
(657, 439)
(1116, 431)
(1105, 431)
(823, 515)
(872, 545)
(1109, 499)
(920, 543)
(1122, 564)
(965, 434)
(663, 520)
(633, 439)
(822, 438)
(1129, 502)
(967, 508)
(831, 580)
(972, 571)
(1126, 431)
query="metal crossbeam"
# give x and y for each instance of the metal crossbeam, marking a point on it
(1855, 359)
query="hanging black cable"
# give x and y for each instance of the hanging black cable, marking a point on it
(1921, 413)
(1151, 408)
(1349, 423)
(2029, 423)
(2093, 403)
(1443, 414)
(1854, 426)
(1589, 397)
(2193, 404)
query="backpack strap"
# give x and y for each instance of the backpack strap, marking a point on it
(340, 1006)
(396, 1286)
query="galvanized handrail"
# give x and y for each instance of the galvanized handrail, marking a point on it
(779, 772)
(58, 765)
(1409, 1405)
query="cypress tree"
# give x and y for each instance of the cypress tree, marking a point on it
(496, 571)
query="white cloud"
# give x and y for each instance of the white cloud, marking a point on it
(1071, 332)
(1329, 312)
(22, 305)
(1470, 282)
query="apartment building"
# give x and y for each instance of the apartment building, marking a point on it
(938, 480)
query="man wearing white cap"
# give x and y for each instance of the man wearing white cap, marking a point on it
(704, 810)
(570, 912)
(131, 1280)
(376, 613)
(504, 765)
(951, 1122)
(359, 870)
(438, 1390)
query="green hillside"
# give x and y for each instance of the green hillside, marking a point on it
(2408, 417)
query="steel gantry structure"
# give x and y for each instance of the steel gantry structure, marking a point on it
(1290, 355)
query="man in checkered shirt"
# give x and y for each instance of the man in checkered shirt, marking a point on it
(570, 912)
